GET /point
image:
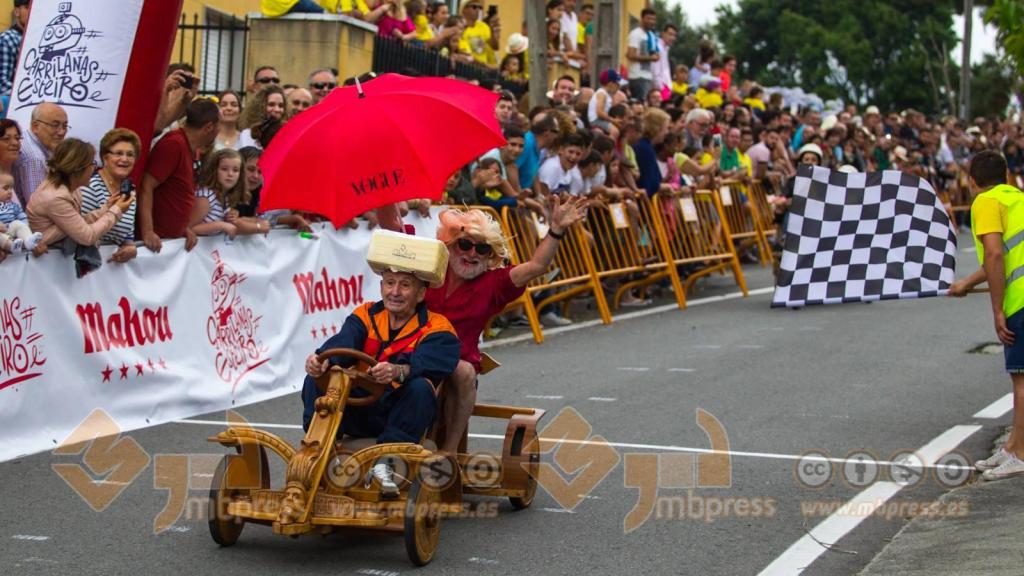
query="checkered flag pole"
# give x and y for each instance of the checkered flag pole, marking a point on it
(863, 237)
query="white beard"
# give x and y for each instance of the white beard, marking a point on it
(467, 271)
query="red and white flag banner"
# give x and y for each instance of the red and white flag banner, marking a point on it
(103, 61)
(171, 335)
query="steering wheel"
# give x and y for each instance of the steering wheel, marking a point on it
(359, 378)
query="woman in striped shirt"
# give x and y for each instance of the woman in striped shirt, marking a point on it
(119, 149)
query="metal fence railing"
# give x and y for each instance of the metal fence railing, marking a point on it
(216, 49)
(412, 59)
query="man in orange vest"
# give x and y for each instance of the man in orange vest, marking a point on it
(415, 350)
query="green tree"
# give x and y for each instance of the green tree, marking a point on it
(1008, 18)
(894, 54)
(991, 85)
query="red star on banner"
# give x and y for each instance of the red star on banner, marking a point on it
(313, 332)
(163, 365)
(323, 330)
(139, 370)
(152, 366)
(334, 329)
(106, 374)
(124, 371)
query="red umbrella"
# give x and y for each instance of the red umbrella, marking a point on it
(391, 139)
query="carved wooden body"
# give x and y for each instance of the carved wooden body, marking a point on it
(325, 479)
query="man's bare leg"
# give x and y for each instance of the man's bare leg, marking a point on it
(1015, 444)
(459, 401)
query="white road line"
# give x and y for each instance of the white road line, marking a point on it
(601, 399)
(970, 249)
(375, 572)
(489, 562)
(626, 316)
(543, 397)
(682, 369)
(997, 408)
(40, 560)
(30, 537)
(628, 445)
(111, 482)
(179, 529)
(633, 368)
(808, 548)
(202, 475)
(558, 510)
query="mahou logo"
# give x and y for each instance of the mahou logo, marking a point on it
(21, 352)
(125, 328)
(320, 293)
(232, 327)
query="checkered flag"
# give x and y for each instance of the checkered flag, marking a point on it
(864, 237)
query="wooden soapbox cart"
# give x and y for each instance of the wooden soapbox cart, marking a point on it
(328, 484)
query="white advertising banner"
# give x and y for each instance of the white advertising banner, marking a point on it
(77, 56)
(171, 335)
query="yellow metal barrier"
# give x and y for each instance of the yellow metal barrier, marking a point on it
(623, 247)
(763, 214)
(742, 218)
(699, 234)
(572, 273)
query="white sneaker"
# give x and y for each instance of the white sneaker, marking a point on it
(385, 476)
(634, 302)
(992, 461)
(1013, 466)
(32, 241)
(552, 318)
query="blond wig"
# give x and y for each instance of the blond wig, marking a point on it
(478, 226)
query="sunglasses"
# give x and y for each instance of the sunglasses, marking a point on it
(483, 249)
(323, 85)
(269, 80)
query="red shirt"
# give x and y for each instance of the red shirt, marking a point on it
(170, 162)
(471, 305)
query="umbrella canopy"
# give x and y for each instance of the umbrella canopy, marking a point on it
(391, 139)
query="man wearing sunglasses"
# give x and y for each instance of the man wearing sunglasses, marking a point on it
(478, 285)
(263, 77)
(321, 82)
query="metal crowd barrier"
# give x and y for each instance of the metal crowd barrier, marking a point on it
(667, 238)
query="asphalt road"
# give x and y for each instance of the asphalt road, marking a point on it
(885, 378)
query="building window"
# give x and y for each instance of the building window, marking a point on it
(223, 52)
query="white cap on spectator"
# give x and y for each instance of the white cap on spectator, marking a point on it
(872, 110)
(812, 148)
(517, 44)
(847, 169)
(899, 153)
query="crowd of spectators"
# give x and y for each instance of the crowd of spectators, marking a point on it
(657, 128)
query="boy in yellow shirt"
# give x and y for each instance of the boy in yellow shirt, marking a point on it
(997, 221)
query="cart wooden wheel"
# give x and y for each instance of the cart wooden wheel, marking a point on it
(422, 522)
(225, 529)
(532, 470)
